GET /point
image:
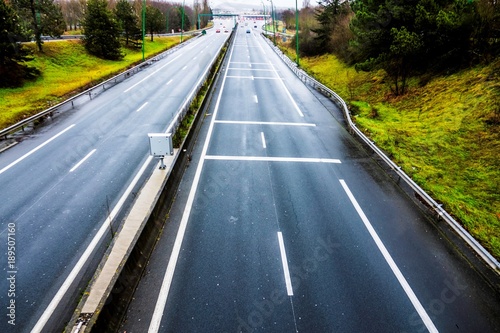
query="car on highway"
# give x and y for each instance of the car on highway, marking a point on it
(248, 31)
(217, 31)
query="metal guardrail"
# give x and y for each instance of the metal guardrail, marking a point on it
(464, 234)
(88, 94)
(180, 114)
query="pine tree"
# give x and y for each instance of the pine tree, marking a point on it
(102, 31)
(411, 36)
(40, 18)
(154, 20)
(13, 55)
(128, 20)
(328, 14)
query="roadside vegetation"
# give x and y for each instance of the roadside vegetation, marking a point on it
(66, 69)
(422, 79)
(444, 134)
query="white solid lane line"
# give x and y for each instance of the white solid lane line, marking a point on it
(263, 140)
(286, 90)
(88, 251)
(35, 149)
(284, 261)
(142, 106)
(147, 77)
(253, 78)
(388, 258)
(256, 99)
(272, 159)
(83, 160)
(262, 123)
(169, 273)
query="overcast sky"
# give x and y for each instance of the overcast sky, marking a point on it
(257, 4)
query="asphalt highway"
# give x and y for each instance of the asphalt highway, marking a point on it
(63, 184)
(284, 223)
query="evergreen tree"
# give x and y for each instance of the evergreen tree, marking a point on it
(154, 20)
(102, 31)
(405, 37)
(128, 20)
(13, 55)
(307, 42)
(40, 18)
(328, 15)
(487, 29)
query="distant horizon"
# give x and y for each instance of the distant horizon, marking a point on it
(255, 4)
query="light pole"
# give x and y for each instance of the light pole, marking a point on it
(143, 26)
(182, 20)
(265, 23)
(274, 25)
(297, 31)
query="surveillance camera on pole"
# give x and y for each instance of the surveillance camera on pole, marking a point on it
(160, 145)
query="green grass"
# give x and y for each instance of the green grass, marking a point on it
(444, 134)
(66, 70)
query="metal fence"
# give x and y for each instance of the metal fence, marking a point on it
(464, 234)
(184, 109)
(88, 94)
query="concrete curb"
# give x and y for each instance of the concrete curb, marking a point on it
(115, 258)
(105, 301)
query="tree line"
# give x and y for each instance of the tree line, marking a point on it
(403, 37)
(107, 25)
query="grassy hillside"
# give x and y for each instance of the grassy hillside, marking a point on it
(66, 69)
(445, 134)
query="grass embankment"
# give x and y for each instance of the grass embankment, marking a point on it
(67, 69)
(444, 134)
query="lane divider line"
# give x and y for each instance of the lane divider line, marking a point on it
(263, 140)
(253, 78)
(238, 122)
(161, 302)
(83, 160)
(273, 159)
(388, 258)
(88, 251)
(36, 149)
(256, 99)
(142, 106)
(251, 69)
(284, 261)
(156, 71)
(286, 90)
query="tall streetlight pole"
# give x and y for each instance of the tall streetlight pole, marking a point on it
(274, 25)
(182, 20)
(265, 23)
(143, 26)
(297, 31)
